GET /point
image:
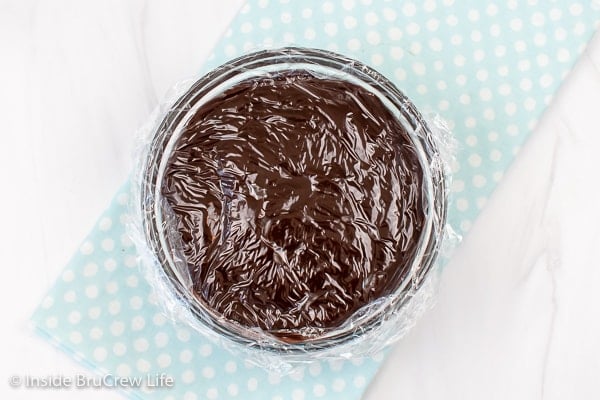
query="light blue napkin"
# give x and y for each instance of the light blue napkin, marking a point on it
(489, 68)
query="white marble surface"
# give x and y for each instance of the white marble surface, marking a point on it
(519, 306)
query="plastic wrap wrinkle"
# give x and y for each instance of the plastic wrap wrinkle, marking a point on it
(298, 201)
(291, 206)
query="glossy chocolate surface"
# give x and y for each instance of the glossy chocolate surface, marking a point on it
(298, 199)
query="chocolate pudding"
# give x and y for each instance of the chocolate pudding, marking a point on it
(298, 199)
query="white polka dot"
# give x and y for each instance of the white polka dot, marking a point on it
(348, 4)
(86, 248)
(183, 335)
(529, 104)
(457, 186)
(462, 204)
(516, 24)
(444, 105)
(163, 360)
(212, 393)
(51, 322)
(359, 381)
(232, 389)
(389, 14)
(473, 15)
(246, 27)
(252, 384)
(263, 3)
(338, 385)
(274, 378)
(188, 377)
(114, 307)
(286, 17)
(537, 19)
(464, 99)
(117, 328)
(47, 302)
(138, 323)
(546, 80)
(110, 264)
(75, 337)
(74, 317)
(123, 199)
(371, 18)
(141, 345)
(297, 374)
(319, 390)
(470, 122)
(504, 89)
(307, 13)
(497, 176)
(298, 394)
(495, 155)
(123, 370)
(491, 9)
(459, 60)
(336, 365)
(435, 44)
(465, 225)
(575, 9)
(421, 89)
(373, 38)
(451, 20)
(130, 261)
(353, 44)
(136, 302)
(68, 276)
(105, 224)
(432, 24)
(560, 34)
(91, 291)
(510, 108)
(409, 9)
(90, 269)
(119, 349)
(489, 114)
(377, 59)
(471, 140)
(230, 50)
(161, 339)
(230, 367)
(476, 36)
(189, 396)
(186, 356)
(512, 130)
(539, 39)
(429, 5)
(474, 160)
(94, 312)
(142, 365)
(419, 68)
(310, 33)
(265, 23)
(327, 7)
(124, 219)
(96, 333)
(205, 350)
(108, 244)
(350, 22)
(131, 281)
(159, 319)
(100, 354)
(412, 28)
(112, 287)
(331, 28)
(479, 181)
(208, 372)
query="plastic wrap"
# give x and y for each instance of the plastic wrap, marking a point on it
(291, 205)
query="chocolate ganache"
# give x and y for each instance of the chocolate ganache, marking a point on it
(298, 199)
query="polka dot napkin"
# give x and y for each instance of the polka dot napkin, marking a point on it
(488, 68)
